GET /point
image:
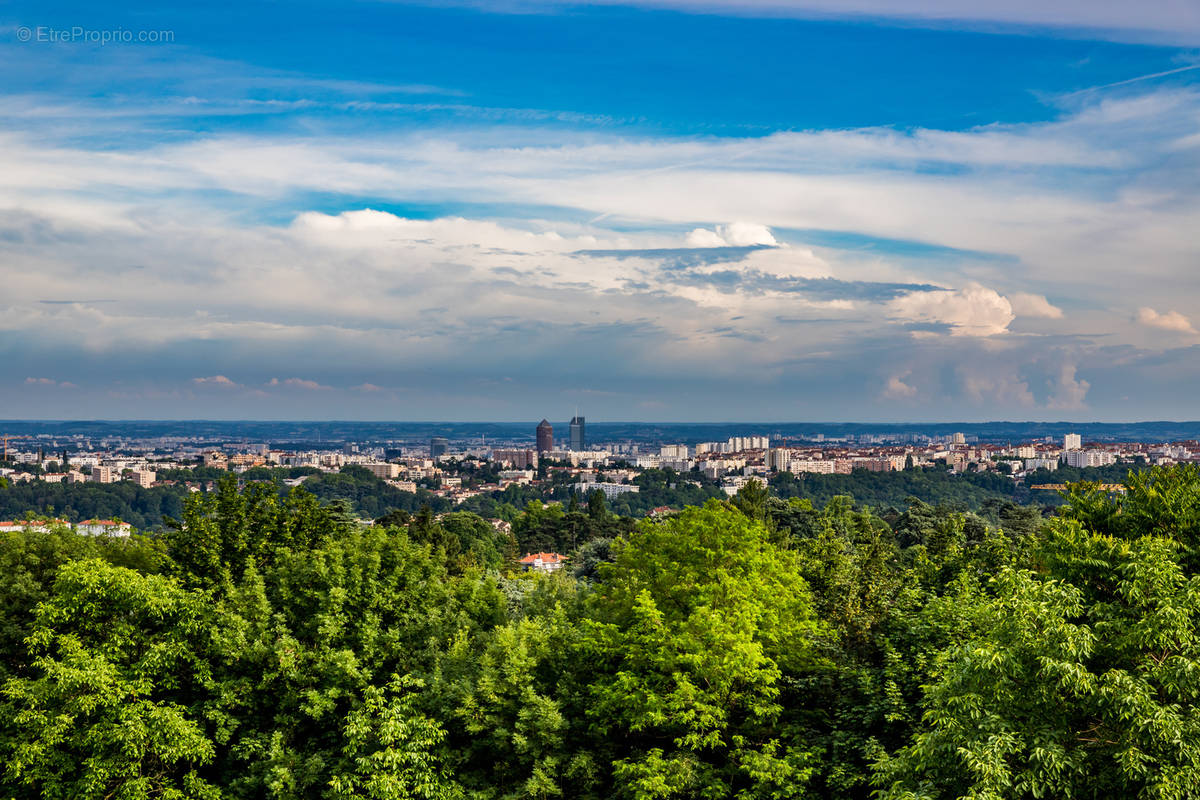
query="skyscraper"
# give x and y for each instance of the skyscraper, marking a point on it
(545, 436)
(438, 446)
(1072, 441)
(577, 433)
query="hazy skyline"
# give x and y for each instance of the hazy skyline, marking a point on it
(930, 210)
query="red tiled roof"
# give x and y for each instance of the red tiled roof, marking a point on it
(545, 558)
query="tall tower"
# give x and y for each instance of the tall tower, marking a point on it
(438, 446)
(578, 440)
(545, 437)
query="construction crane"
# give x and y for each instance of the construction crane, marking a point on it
(1062, 487)
(6, 437)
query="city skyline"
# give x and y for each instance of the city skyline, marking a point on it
(880, 212)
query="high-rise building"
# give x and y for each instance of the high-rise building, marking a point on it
(578, 438)
(438, 446)
(779, 459)
(1072, 441)
(958, 438)
(545, 436)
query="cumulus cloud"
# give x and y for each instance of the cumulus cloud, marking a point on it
(995, 384)
(1167, 321)
(743, 234)
(703, 237)
(461, 296)
(971, 311)
(897, 389)
(735, 234)
(214, 380)
(1070, 392)
(1033, 305)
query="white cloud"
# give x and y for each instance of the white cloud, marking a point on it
(1167, 321)
(897, 389)
(1070, 391)
(297, 383)
(744, 234)
(995, 384)
(1033, 305)
(735, 234)
(404, 293)
(1147, 20)
(214, 380)
(50, 382)
(972, 311)
(703, 237)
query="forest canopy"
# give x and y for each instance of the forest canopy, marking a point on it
(267, 645)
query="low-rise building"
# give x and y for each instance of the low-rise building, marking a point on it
(143, 477)
(543, 562)
(383, 470)
(610, 490)
(103, 527)
(516, 458)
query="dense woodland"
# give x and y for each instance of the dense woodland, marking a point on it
(264, 646)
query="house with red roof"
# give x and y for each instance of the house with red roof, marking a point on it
(543, 562)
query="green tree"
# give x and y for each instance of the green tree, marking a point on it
(693, 629)
(1081, 680)
(391, 750)
(109, 706)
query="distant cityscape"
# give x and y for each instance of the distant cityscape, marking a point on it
(439, 463)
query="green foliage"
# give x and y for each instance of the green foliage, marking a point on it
(224, 532)
(144, 509)
(391, 749)
(266, 645)
(547, 528)
(104, 709)
(697, 623)
(1082, 676)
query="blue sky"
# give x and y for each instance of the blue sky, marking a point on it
(861, 210)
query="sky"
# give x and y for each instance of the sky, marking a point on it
(850, 210)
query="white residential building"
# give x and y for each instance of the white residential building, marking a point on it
(1089, 458)
(383, 470)
(821, 467)
(103, 527)
(610, 490)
